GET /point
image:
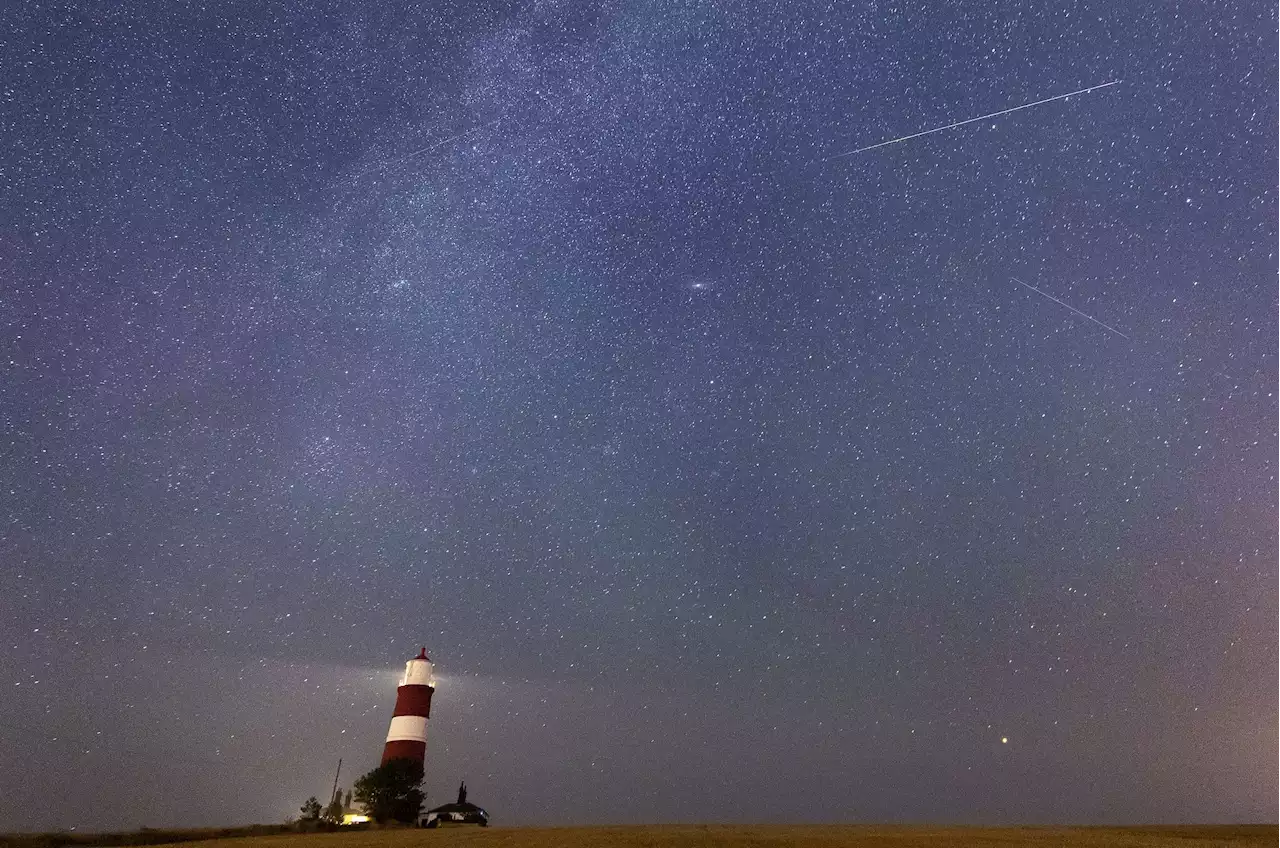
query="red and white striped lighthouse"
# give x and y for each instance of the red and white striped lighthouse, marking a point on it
(407, 738)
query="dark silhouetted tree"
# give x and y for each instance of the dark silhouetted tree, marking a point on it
(392, 792)
(311, 809)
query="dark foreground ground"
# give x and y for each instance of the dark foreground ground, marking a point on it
(753, 836)
(765, 836)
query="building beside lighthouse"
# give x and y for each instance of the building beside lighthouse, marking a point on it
(459, 812)
(407, 736)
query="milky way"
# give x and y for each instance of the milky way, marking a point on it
(720, 485)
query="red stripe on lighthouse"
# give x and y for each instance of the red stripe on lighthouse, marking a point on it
(403, 749)
(414, 701)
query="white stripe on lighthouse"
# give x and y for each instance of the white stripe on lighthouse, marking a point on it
(408, 728)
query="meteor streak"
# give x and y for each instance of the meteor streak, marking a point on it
(400, 160)
(1088, 90)
(1069, 306)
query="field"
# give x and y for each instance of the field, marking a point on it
(771, 836)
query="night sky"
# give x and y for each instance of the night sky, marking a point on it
(722, 479)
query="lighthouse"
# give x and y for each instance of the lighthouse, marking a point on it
(407, 738)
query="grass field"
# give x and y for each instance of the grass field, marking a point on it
(771, 836)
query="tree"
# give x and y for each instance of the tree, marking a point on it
(392, 792)
(311, 809)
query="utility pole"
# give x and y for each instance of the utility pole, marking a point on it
(334, 793)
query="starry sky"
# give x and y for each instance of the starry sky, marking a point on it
(725, 477)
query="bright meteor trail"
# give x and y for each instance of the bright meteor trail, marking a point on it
(971, 120)
(1072, 308)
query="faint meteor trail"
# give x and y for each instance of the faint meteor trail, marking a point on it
(1088, 90)
(400, 160)
(1072, 308)
(1182, 367)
